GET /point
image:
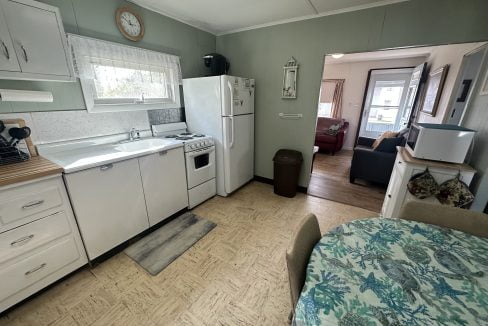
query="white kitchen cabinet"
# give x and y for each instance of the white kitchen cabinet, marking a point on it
(109, 204)
(37, 40)
(39, 240)
(164, 181)
(8, 59)
(397, 194)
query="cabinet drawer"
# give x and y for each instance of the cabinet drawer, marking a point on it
(30, 236)
(26, 272)
(27, 200)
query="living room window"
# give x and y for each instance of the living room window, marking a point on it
(326, 96)
(330, 98)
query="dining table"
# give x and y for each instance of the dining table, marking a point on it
(385, 271)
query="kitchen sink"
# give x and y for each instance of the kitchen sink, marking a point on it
(142, 145)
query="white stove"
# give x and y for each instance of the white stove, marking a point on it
(199, 157)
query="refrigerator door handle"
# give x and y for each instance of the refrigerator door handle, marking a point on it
(232, 134)
(229, 85)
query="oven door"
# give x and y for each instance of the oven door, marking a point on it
(200, 166)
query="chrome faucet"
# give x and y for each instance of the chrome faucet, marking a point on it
(134, 134)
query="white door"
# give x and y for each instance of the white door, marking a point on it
(386, 94)
(412, 96)
(8, 59)
(237, 95)
(238, 148)
(109, 205)
(37, 39)
(164, 181)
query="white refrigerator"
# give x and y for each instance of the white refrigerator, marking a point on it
(223, 107)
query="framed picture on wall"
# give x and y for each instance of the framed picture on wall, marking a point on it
(433, 91)
(484, 85)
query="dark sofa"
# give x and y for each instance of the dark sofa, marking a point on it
(330, 143)
(375, 165)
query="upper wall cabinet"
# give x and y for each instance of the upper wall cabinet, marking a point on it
(33, 42)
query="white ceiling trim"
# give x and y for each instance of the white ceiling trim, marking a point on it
(307, 17)
(172, 16)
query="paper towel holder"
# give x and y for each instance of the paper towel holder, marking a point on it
(17, 95)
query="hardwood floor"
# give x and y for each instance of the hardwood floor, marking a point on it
(235, 275)
(330, 180)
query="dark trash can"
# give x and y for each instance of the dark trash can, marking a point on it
(287, 164)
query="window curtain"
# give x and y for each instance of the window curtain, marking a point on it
(336, 108)
(87, 50)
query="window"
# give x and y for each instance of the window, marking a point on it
(326, 98)
(116, 77)
(384, 105)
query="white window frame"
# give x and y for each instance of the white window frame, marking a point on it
(120, 104)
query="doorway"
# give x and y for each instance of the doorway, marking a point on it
(386, 90)
(384, 103)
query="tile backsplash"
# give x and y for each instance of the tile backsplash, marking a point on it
(56, 126)
(157, 117)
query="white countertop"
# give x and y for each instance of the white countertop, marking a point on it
(91, 156)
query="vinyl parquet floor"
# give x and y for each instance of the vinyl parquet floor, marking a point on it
(235, 275)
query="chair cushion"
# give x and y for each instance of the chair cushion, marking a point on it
(323, 138)
(386, 134)
(389, 144)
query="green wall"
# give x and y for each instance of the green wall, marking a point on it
(261, 54)
(95, 18)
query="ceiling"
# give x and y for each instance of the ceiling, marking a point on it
(226, 16)
(382, 55)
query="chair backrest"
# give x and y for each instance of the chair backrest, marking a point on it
(450, 217)
(298, 254)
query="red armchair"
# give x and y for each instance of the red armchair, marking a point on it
(326, 142)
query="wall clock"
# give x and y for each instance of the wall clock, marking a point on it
(129, 23)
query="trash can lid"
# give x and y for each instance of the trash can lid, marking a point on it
(288, 156)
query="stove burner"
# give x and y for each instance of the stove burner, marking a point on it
(185, 134)
(171, 136)
(199, 135)
(183, 138)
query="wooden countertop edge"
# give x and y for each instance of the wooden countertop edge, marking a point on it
(37, 167)
(435, 164)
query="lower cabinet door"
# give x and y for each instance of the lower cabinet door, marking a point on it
(164, 180)
(108, 202)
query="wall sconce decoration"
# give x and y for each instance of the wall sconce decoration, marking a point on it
(290, 71)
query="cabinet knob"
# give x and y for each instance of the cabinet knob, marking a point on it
(35, 269)
(5, 50)
(106, 167)
(33, 204)
(22, 241)
(26, 58)
(400, 162)
(389, 196)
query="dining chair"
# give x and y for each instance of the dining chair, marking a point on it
(298, 255)
(464, 220)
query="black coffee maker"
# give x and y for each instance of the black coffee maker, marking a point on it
(217, 63)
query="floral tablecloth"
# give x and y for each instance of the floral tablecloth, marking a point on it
(395, 272)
